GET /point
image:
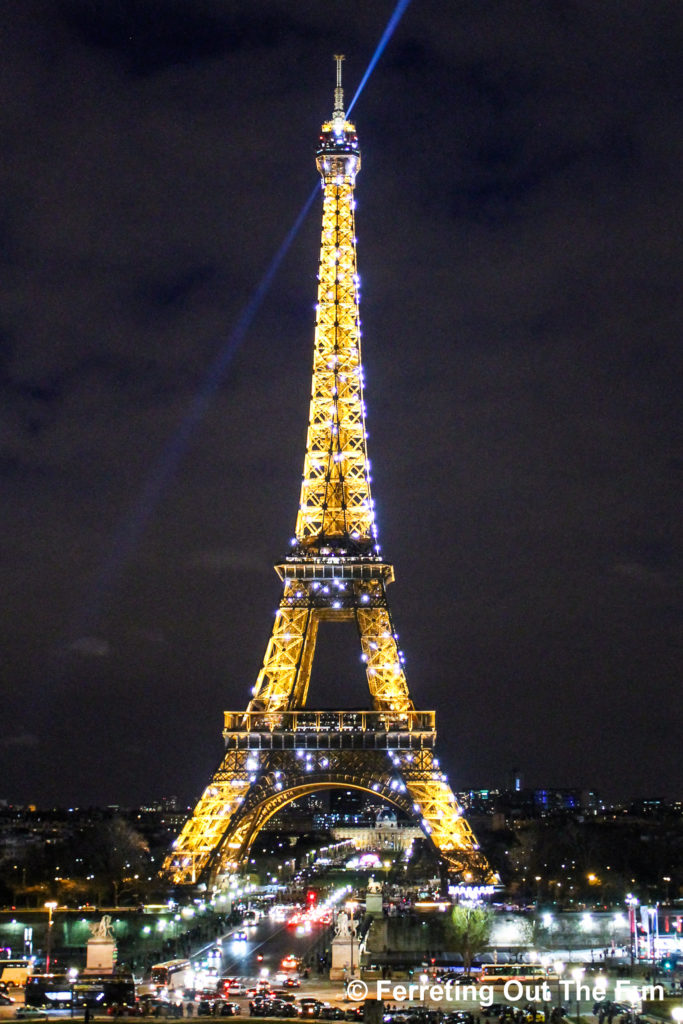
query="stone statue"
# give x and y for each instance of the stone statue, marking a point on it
(102, 929)
(374, 886)
(342, 925)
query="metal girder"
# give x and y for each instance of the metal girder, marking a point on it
(335, 491)
(409, 781)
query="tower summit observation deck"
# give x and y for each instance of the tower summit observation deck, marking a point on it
(279, 749)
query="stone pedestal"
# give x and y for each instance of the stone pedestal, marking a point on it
(101, 955)
(373, 904)
(345, 958)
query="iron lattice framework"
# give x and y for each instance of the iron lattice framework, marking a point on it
(278, 750)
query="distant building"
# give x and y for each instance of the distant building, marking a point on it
(517, 803)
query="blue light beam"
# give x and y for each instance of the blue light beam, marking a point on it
(135, 520)
(386, 36)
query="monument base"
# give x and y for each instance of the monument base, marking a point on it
(373, 904)
(101, 955)
(345, 958)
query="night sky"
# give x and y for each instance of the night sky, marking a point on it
(520, 252)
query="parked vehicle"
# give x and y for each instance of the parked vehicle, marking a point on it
(310, 1007)
(332, 1013)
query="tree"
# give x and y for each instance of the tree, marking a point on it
(113, 856)
(468, 930)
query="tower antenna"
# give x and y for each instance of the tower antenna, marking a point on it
(338, 112)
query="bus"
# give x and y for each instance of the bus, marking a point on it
(94, 990)
(15, 972)
(171, 976)
(499, 974)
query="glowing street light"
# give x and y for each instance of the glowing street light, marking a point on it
(631, 902)
(49, 906)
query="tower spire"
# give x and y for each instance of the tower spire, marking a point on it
(338, 112)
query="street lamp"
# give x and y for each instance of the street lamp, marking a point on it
(577, 975)
(631, 902)
(49, 906)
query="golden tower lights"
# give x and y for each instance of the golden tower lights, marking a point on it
(279, 750)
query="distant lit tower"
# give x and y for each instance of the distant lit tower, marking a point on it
(278, 749)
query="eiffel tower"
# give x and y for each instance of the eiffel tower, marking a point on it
(279, 749)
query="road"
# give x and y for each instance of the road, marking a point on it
(270, 941)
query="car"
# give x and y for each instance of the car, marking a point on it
(154, 1007)
(414, 1015)
(310, 1007)
(290, 962)
(5, 1000)
(260, 1007)
(329, 1012)
(29, 1012)
(282, 1008)
(355, 1013)
(459, 1017)
(291, 983)
(261, 990)
(494, 1009)
(227, 1009)
(272, 1008)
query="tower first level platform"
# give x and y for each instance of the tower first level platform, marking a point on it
(273, 758)
(278, 749)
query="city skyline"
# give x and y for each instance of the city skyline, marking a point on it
(518, 255)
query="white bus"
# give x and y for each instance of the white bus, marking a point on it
(15, 972)
(171, 976)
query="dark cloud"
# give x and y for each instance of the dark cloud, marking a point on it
(221, 559)
(91, 646)
(18, 740)
(519, 246)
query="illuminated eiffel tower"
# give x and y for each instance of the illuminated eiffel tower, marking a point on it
(278, 749)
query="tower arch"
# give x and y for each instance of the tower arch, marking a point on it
(256, 817)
